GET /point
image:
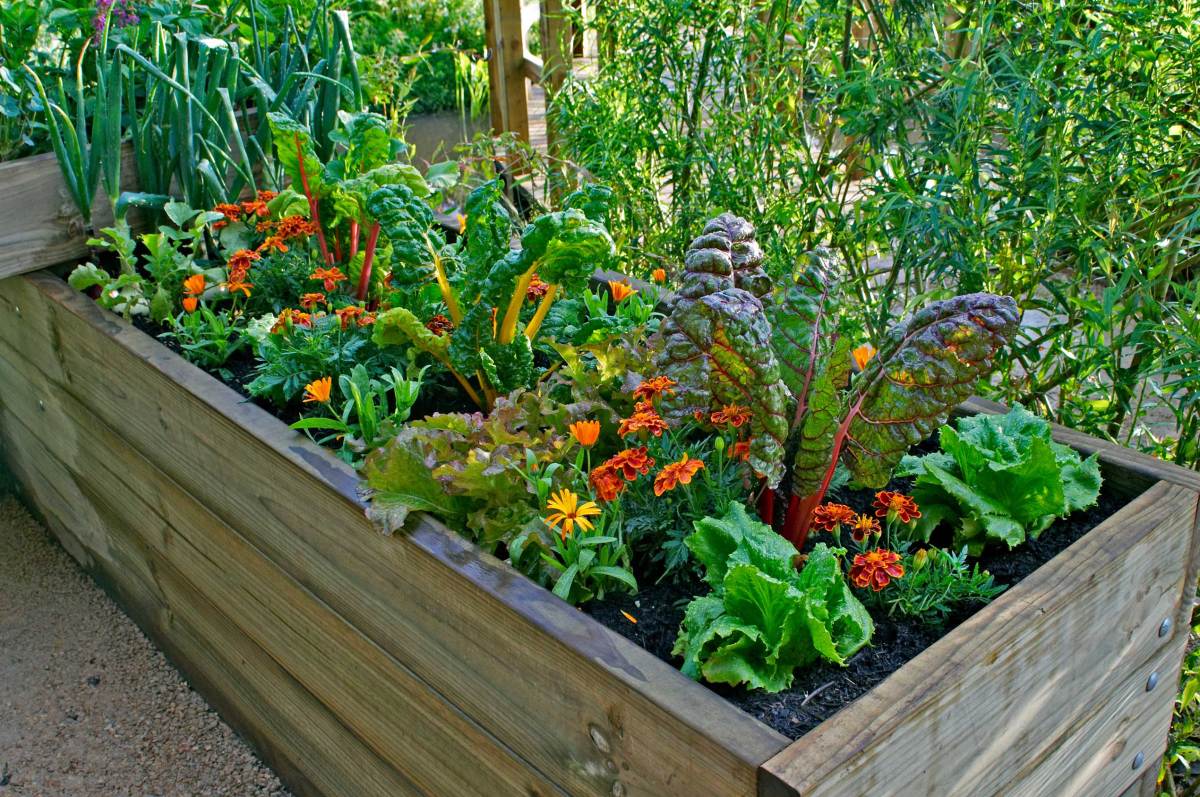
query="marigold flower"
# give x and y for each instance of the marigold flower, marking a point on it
(273, 242)
(330, 276)
(230, 212)
(348, 313)
(566, 512)
(318, 391)
(256, 207)
(740, 451)
(864, 526)
(732, 414)
(606, 482)
(652, 388)
(237, 286)
(643, 419)
(190, 303)
(630, 462)
(194, 285)
(310, 300)
(266, 196)
(295, 227)
(875, 569)
(289, 317)
(586, 432)
(537, 289)
(439, 325)
(267, 225)
(828, 517)
(891, 504)
(241, 261)
(680, 472)
(366, 319)
(621, 290)
(862, 355)
(659, 275)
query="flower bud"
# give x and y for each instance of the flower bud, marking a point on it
(719, 444)
(919, 560)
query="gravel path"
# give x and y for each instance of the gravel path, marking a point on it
(88, 705)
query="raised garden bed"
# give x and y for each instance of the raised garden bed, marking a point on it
(363, 664)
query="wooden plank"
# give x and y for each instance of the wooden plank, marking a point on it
(1071, 635)
(506, 65)
(302, 741)
(335, 663)
(39, 224)
(589, 709)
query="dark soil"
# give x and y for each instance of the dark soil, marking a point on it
(822, 690)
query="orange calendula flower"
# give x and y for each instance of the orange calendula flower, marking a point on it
(190, 303)
(348, 314)
(732, 414)
(566, 512)
(862, 355)
(606, 482)
(659, 275)
(630, 462)
(586, 432)
(237, 286)
(318, 391)
(652, 388)
(537, 289)
(310, 300)
(194, 285)
(896, 505)
(864, 526)
(680, 472)
(439, 325)
(740, 451)
(875, 569)
(828, 517)
(629, 617)
(273, 242)
(330, 276)
(643, 419)
(621, 290)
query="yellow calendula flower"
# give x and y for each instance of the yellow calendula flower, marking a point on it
(566, 511)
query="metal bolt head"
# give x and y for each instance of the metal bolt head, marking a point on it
(1152, 682)
(1138, 760)
(1165, 628)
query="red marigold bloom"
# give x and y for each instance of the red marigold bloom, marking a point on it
(630, 462)
(256, 207)
(439, 325)
(288, 318)
(266, 196)
(606, 482)
(241, 261)
(330, 276)
(265, 226)
(643, 419)
(864, 526)
(295, 227)
(741, 451)
(652, 388)
(310, 300)
(732, 414)
(828, 517)
(366, 319)
(348, 313)
(888, 504)
(230, 212)
(273, 242)
(537, 289)
(875, 569)
(680, 472)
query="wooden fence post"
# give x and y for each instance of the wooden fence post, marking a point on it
(558, 44)
(506, 59)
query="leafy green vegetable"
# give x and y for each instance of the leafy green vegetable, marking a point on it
(763, 619)
(1000, 478)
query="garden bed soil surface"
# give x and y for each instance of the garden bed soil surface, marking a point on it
(823, 689)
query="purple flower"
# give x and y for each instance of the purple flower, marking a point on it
(123, 13)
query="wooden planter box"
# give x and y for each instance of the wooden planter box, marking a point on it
(359, 664)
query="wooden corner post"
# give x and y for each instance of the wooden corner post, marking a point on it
(506, 59)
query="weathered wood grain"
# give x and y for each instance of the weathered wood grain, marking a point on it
(580, 704)
(1042, 680)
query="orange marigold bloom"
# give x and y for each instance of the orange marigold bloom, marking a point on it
(630, 462)
(659, 275)
(862, 355)
(875, 569)
(537, 289)
(190, 303)
(891, 504)
(741, 451)
(295, 227)
(289, 317)
(652, 388)
(266, 196)
(241, 261)
(864, 526)
(606, 482)
(318, 391)
(330, 276)
(265, 226)
(273, 242)
(828, 517)
(230, 212)
(194, 285)
(348, 313)
(733, 414)
(366, 319)
(621, 290)
(643, 419)
(309, 300)
(237, 286)
(680, 472)
(256, 207)
(439, 325)
(586, 432)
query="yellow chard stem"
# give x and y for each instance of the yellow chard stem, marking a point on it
(535, 323)
(508, 328)
(444, 284)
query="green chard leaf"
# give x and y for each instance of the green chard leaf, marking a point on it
(295, 152)
(404, 220)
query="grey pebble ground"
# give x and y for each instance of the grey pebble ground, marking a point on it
(88, 706)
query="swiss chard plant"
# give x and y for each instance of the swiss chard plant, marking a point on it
(732, 337)
(999, 478)
(763, 619)
(485, 285)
